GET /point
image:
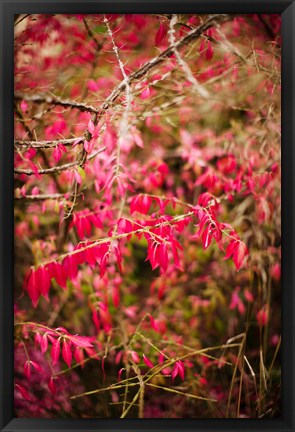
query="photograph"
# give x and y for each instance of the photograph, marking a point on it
(147, 216)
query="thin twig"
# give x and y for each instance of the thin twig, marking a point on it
(59, 168)
(48, 144)
(197, 87)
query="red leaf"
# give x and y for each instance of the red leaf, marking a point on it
(180, 369)
(67, 353)
(209, 51)
(147, 361)
(23, 106)
(92, 85)
(27, 369)
(239, 254)
(69, 267)
(163, 256)
(57, 153)
(60, 275)
(23, 392)
(36, 366)
(230, 248)
(78, 177)
(145, 94)
(153, 323)
(207, 236)
(80, 341)
(91, 126)
(51, 386)
(161, 358)
(120, 373)
(116, 296)
(140, 203)
(44, 343)
(161, 33)
(32, 287)
(79, 356)
(55, 351)
(175, 371)
(134, 356)
(43, 278)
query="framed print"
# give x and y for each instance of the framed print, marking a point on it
(147, 207)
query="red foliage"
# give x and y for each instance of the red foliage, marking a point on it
(147, 194)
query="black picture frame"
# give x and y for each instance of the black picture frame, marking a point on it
(8, 8)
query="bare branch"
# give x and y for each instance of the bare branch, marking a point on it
(124, 124)
(191, 36)
(185, 67)
(57, 168)
(55, 100)
(40, 197)
(48, 144)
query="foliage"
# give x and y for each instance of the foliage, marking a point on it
(147, 216)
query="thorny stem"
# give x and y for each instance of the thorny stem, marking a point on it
(123, 129)
(191, 36)
(48, 144)
(186, 69)
(58, 168)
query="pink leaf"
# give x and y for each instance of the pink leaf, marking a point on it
(145, 94)
(57, 153)
(36, 366)
(209, 51)
(231, 248)
(27, 369)
(78, 177)
(92, 85)
(69, 267)
(32, 287)
(43, 279)
(120, 373)
(67, 353)
(180, 369)
(207, 236)
(79, 356)
(80, 341)
(91, 126)
(161, 33)
(134, 356)
(175, 371)
(23, 106)
(23, 392)
(147, 361)
(51, 386)
(44, 343)
(239, 254)
(55, 351)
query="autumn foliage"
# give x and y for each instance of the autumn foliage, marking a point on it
(147, 216)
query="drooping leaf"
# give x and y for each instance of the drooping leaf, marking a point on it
(55, 351)
(147, 361)
(67, 352)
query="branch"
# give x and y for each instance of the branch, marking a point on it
(148, 228)
(55, 100)
(48, 144)
(197, 87)
(40, 197)
(191, 36)
(47, 170)
(124, 124)
(57, 168)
